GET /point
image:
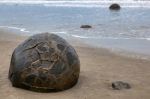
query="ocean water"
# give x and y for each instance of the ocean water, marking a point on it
(127, 29)
(81, 3)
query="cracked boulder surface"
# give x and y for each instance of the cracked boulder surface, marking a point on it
(44, 63)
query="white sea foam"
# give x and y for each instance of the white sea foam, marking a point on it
(77, 36)
(81, 3)
(61, 32)
(112, 38)
(15, 28)
(147, 39)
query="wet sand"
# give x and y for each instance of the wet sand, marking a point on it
(99, 67)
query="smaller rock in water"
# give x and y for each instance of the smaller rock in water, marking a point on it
(115, 7)
(86, 26)
(119, 85)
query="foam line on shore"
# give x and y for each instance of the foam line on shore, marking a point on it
(15, 28)
(77, 36)
(113, 38)
(61, 32)
(74, 35)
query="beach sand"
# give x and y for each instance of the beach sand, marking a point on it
(99, 67)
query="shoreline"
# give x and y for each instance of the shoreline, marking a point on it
(125, 52)
(133, 49)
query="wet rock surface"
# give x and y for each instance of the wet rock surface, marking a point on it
(86, 26)
(115, 7)
(44, 63)
(119, 85)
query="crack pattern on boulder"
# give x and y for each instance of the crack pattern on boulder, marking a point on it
(44, 62)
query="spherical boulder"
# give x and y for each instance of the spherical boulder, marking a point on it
(115, 7)
(44, 63)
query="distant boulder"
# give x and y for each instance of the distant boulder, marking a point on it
(119, 85)
(86, 26)
(115, 7)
